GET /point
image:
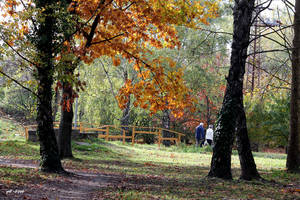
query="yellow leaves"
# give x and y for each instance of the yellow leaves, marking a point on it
(24, 29)
(144, 74)
(136, 67)
(31, 83)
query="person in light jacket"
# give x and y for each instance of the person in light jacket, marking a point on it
(209, 135)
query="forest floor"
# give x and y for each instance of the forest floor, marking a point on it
(111, 170)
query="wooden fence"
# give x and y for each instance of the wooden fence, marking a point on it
(108, 132)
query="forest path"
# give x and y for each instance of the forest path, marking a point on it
(76, 186)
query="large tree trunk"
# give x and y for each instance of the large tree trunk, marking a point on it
(50, 161)
(227, 121)
(65, 126)
(293, 157)
(247, 162)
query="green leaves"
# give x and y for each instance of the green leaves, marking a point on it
(268, 118)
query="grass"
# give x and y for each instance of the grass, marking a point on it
(10, 130)
(19, 149)
(149, 172)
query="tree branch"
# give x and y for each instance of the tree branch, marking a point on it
(18, 83)
(123, 9)
(268, 51)
(106, 40)
(23, 57)
(216, 32)
(258, 12)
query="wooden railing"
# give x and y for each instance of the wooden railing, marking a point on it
(117, 132)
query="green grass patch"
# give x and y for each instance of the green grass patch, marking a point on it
(17, 175)
(10, 130)
(19, 149)
(150, 172)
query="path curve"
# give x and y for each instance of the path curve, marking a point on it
(77, 186)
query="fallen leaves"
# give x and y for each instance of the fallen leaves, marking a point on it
(149, 164)
(291, 190)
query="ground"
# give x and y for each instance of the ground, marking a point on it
(77, 185)
(114, 171)
(111, 170)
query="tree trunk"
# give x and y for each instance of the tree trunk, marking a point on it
(125, 119)
(247, 162)
(50, 161)
(65, 125)
(227, 121)
(207, 111)
(166, 125)
(55, 106)
(293, 157)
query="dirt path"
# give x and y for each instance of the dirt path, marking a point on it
(77, 186)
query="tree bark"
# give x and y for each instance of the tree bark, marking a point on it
(50, 161)
(227, 121)
(293, 157)
(166, 125)
(65, 125)
(247, 162)
(207, 111)
(55, 106)
(125, 119)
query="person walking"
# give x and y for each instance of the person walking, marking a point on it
(200, 135)
(209, 135)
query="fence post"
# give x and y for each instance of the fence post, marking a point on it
(133, 135)
(179, 138)
(107, 133)
(80, 128)
(159, 136)
(26, 133)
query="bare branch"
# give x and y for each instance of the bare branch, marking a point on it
(258, 12)
(273, 75)
(18, 83)
(268, 51)
(216, 32)
(109, 80)
(269, 33)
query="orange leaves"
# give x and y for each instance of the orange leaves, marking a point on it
(10, 5)
(158, 89)
(142, 24)
(127, 29)
(116, 61)
(124, 94)
(67, 105)
(144, 74)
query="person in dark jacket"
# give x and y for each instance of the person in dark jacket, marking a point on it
(200, 135)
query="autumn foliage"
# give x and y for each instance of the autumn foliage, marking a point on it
(130, 29)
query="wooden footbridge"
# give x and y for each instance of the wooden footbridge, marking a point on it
(112, 132)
